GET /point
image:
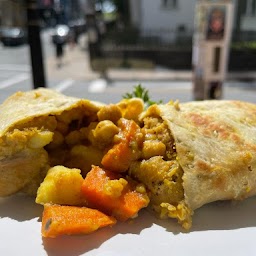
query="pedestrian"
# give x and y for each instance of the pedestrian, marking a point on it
(59, 40)
(59, 53)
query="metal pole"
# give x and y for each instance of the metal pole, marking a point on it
(34, 40)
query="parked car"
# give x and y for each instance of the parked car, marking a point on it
(13, 36)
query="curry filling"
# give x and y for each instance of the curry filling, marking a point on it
(161, 173)
(111, 138)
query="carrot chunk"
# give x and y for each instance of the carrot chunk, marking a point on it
(112, 194)
(70, 220)
(119, 157)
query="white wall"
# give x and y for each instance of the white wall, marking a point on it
(154, 16)
(135, 9)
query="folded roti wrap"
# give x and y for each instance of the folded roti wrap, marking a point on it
(29, 121)
(215, 149)
(187, 155)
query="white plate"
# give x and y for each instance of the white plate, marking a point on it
(222, 228)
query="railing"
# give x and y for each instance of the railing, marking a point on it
(168, 48)
(146, 49)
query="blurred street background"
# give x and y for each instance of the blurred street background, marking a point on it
(101, 49)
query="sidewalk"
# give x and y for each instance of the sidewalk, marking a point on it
(76, 65)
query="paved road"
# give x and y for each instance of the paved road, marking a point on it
(15, 76)
(112, 92)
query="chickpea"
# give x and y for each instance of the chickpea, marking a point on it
(87, 132)
(50, 123)
(64, 117)
(62, 127)
(73, 138)
(153, 148)
(83, 157)
(69, 115)
(84, 132)
(57, 140)
(104, 133)
(110, 112)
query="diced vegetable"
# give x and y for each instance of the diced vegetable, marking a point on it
(131, 108)
(70, 220)
(110, 112)
(82, 157)
(40, 139)
(119, 157)
(113, 195)
(103, 134)
(61, 186)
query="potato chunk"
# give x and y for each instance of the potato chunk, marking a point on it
(131, 108)
(40, 139)
(61, 186)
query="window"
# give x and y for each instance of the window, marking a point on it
(250, 9)
(169, 4)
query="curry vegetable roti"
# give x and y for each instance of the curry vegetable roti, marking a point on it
(29, 122)
(92, 164)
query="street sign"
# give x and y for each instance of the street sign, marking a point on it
(213, 27)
